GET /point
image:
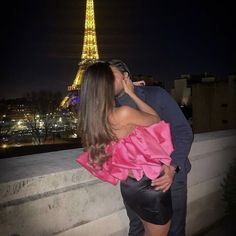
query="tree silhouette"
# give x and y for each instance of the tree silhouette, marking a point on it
(44, 105)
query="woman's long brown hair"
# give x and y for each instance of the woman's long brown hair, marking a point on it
(96, 102)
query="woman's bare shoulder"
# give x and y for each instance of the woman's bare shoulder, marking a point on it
(124, 115)
(124, 111)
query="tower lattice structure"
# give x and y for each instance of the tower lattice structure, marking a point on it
(89, 54)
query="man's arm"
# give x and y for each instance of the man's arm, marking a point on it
(182, 135)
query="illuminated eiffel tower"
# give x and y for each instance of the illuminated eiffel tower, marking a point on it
(89, 55)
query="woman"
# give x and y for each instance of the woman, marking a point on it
(125, 144)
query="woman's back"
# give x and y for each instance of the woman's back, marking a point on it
(120, 125)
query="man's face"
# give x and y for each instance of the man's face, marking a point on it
(118, 80)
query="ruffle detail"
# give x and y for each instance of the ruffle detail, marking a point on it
(141, 152)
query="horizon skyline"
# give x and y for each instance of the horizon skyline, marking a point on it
(186, 38)
(226, 77)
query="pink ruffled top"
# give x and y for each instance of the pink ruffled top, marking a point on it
(143, 151)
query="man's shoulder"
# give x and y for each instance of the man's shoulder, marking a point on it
(154, 91)
(152, 88)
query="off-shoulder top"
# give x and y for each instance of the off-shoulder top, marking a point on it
(141, 152)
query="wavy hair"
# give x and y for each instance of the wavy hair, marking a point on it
(96, 103)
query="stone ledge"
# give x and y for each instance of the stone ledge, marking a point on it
(48, 194)
(40, 164)
(43, 185)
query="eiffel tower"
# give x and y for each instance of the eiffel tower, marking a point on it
(89, 55)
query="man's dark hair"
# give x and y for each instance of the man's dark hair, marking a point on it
(120, 65)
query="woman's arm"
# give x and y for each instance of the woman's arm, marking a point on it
(129, 89)
(145, 116)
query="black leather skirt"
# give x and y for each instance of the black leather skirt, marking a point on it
(153, 206)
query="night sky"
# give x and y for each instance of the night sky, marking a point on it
(42, 40)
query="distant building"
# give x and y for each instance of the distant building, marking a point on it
(182, 90)
(213, 101)
(15, 109)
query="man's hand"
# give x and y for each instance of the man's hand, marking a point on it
(139, 83)
(164, 182)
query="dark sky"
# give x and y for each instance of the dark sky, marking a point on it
(42, 40)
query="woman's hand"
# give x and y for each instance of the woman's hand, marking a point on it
(128, 85)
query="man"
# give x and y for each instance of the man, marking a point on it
(175, 176)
